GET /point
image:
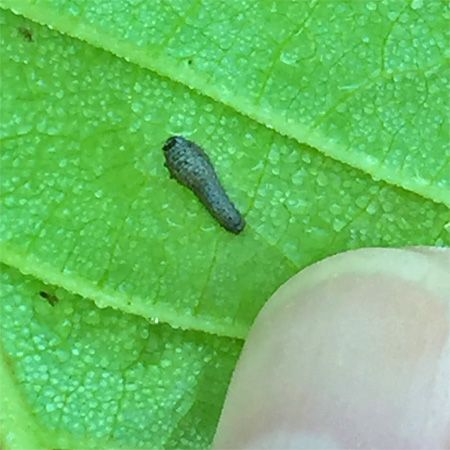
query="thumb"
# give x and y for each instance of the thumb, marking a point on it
(353, 352)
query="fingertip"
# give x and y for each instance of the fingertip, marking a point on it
(353, 350)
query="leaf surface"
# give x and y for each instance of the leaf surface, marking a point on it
(85, 377)
(359, 81)
(88, 207)
(88, 204)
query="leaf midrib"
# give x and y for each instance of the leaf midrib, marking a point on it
(87, 289)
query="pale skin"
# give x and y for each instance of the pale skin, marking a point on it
(353, 352)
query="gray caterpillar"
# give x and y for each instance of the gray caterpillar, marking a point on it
(190, 166)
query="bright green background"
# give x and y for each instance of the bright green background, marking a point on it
(101, 378)
(87, 205)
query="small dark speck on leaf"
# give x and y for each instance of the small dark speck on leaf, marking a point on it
(52, 299)
(26, 33)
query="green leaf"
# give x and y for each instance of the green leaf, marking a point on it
(87, 205)
(96, 378)
(360, 81)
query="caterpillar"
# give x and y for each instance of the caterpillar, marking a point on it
(190, 166)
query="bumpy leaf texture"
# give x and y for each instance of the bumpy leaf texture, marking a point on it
(91, 378)
(88, 208)
(360, 81)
